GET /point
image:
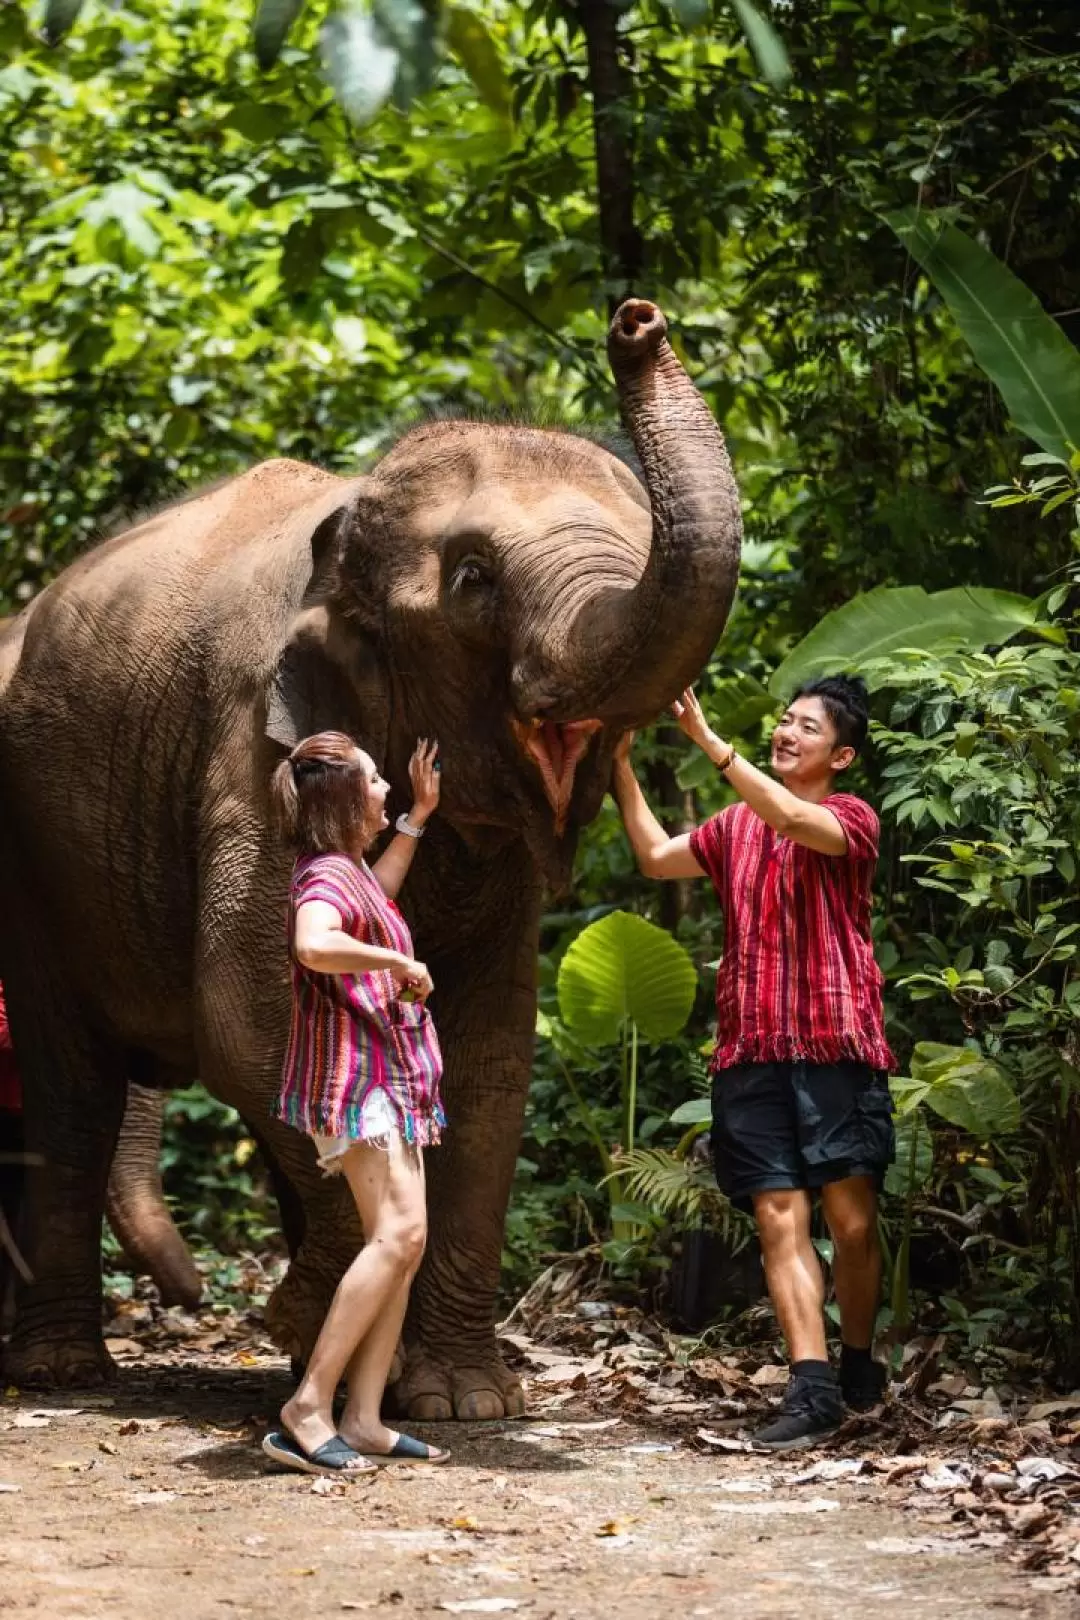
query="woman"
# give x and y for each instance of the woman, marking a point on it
(361, 1076)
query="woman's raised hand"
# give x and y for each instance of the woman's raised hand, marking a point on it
(691, 720)
(424, 776)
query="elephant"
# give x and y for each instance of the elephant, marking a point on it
(135, 1204)
(511, 590)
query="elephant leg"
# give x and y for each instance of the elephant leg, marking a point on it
(453, 1368)
(73, 1102)
(135, 1203)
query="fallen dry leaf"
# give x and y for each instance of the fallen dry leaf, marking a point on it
(464, 1522)
(29, 1420)
(130, 1427)
(770, 1376)
(614, 1527)
(107, 1447)
(1028, 1521)
(816, 1504)
(722, 1441)
(8, 1490)
(124, 1347)
(488, 1605)
(151, 1498)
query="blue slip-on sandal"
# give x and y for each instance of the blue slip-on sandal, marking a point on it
(407, 1449)
(334, 1457)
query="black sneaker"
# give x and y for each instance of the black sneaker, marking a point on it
(812, 1409)
(862, 1383)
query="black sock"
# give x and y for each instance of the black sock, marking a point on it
(818, 1372)
(854, 1355)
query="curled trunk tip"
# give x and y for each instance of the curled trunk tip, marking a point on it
(637, 327)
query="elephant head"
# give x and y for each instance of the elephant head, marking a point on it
(516, 592)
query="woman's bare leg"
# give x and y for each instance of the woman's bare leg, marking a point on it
(380, 1184)
(361, 1424)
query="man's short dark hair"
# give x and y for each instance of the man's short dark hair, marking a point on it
(844, 699)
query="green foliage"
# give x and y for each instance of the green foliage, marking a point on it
(621, 969)
(879, 623)
(214, 1177)
(204, 261)
(1016, 342)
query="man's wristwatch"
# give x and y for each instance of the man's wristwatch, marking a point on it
(403, 825)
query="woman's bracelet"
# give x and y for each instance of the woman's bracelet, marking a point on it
(404, 825)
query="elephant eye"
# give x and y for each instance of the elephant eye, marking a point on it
(468, 573)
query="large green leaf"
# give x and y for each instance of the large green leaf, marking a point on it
(966, 1089)
(475, 49)
(360, 65)
(882, 621)
(59, 17)
(765, 43)
(624, 967)
(912, 1135)
(273, 19)
(1021, 348)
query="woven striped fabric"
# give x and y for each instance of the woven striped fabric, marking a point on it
(798, 979)
(10, 1085)
(352, 1033)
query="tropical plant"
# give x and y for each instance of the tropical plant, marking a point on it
(622, 978)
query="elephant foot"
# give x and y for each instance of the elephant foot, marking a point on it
(295, 1313)
(52, 1364)
(434, 1389)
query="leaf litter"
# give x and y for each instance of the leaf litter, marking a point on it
(979, 1455)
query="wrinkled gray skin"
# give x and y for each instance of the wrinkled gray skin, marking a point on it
(490, 586)
(135, 1203)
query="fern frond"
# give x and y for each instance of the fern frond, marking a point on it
(675, 1188)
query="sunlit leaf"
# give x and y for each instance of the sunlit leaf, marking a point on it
(623, 967)
(273, 19)
(698, 1111)
(966, 1089)
(478, 54)
(1021, 348)
(882, 621)
(59, 17)
(359, 66)
(765, 43)
(906, 1173)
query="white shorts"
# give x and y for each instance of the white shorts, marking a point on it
(378, 1124)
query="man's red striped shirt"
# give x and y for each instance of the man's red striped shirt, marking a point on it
(798, 979)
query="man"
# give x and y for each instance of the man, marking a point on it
(800, 1090)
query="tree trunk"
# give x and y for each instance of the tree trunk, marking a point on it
(621, 243)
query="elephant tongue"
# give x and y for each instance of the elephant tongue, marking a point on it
(556, 750)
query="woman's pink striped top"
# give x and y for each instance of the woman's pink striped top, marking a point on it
(352, 1034)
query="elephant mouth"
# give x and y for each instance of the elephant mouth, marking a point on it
(556, 750)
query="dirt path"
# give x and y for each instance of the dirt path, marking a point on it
(153, 1502)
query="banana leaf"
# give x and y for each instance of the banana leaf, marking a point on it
(877, 623)
(1021, 348)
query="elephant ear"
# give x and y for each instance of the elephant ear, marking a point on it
(328, 675)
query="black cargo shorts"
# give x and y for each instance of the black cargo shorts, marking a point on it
(778, 1125)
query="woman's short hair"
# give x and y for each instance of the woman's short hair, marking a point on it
(319, 796)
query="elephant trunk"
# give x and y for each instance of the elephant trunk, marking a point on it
(654, 638)
(136, 1208)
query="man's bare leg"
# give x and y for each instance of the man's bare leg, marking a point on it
(792, 1271)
